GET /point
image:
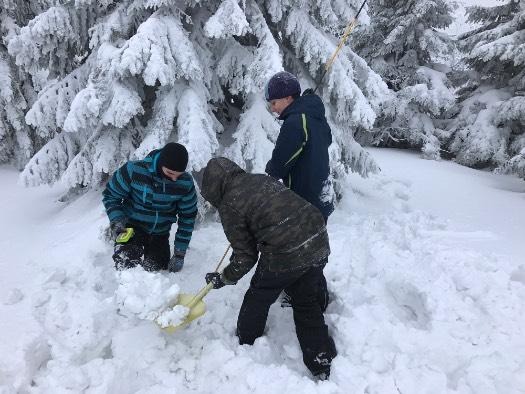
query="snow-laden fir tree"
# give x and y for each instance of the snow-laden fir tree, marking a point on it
(125, 77)
(489, 128)
(120, 74)
(404, 45)
(17, 140)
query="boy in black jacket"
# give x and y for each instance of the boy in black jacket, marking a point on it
(300, 157)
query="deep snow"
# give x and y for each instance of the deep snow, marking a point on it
(427, 271)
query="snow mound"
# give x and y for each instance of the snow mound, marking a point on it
(146, 295)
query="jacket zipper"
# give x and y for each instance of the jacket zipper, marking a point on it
(156, 220)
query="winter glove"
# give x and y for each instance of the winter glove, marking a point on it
(177, 261)
(116, 228)
(218, 280)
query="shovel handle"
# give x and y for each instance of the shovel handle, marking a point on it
(205, 290)
(200, 295)
(222, 259)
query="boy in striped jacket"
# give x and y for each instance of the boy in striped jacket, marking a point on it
(150, 195)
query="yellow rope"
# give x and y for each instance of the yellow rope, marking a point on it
(347, 32)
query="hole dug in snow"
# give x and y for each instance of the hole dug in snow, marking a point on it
(409, 305)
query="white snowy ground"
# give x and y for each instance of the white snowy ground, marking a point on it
(427, 269)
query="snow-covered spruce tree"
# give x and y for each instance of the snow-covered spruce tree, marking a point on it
(125, 77)
(121, 74)
(300, 36)
(489, 128)
(17, 140)
(403, 44)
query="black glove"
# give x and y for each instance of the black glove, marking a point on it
(215, 278)
(177, 261)
(116, 228)
(218, 280)
(307, 92)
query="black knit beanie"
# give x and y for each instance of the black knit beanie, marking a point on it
(282, 84)
(174, 157)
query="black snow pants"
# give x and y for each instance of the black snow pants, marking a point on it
(322, 292)
(322, 287)
(317, 346)
(152, 252)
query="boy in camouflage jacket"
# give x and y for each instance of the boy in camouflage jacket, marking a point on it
(268, 224)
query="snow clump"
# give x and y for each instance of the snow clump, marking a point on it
(143, 294)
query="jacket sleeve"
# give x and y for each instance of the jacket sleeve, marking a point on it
(117, 190)
(244, 245)
(187, 211)
(289, 145)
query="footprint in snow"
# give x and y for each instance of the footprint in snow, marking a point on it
(14, 297)
(409, 305)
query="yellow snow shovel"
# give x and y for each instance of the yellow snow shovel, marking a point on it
(193, 302)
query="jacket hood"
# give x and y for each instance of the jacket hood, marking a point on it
(152, 158)
(310, 104)
(217, 175)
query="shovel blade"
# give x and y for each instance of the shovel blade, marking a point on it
(197, 311)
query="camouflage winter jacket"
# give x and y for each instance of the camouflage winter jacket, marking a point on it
(261, 215)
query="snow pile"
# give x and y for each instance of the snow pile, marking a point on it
(416, 312)
(173, 316)
(144, 294)
(415, 307)
(76, 312)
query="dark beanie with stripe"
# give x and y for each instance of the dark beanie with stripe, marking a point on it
(173, 156)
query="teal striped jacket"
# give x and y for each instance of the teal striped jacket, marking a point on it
(139, 196)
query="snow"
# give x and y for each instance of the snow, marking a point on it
(144, 294)
(485, 210)
(427, 275)
(460, 24)
(173, 316)
(229, 20)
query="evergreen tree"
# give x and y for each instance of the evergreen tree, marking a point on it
(116, 79)
(403, 44)
(489, 127)
(17, 140)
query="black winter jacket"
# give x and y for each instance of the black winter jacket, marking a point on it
(261, 215)
(300, 157)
